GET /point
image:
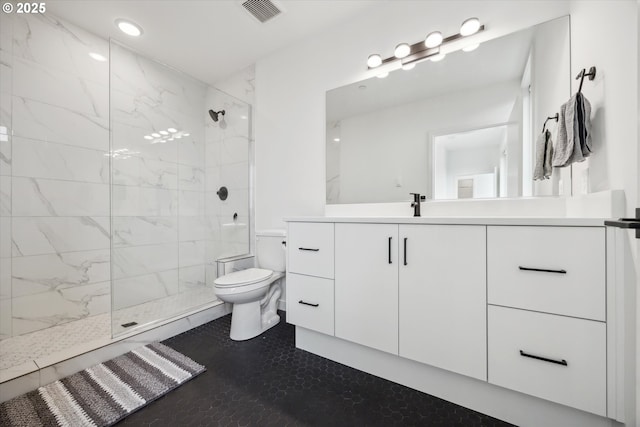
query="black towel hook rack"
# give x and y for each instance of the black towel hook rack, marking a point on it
(556, 118)
(582, 74)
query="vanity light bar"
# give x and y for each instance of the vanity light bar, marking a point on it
(419, 52)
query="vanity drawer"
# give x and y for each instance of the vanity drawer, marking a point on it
(310, 249)
(310, 303)
(574, 257)
(581, 383)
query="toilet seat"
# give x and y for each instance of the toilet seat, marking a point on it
(243, 277)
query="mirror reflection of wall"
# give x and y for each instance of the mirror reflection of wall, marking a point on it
(389, 130)
(475, 161)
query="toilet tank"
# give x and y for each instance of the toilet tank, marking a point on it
(270, 252)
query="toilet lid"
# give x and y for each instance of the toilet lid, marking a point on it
(243, 277)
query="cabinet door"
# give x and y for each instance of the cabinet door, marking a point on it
(442, 296)
(366, 285)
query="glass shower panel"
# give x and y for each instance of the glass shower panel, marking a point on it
(227, 185)
(166, 231)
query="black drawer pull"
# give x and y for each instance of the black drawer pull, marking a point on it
(308, 303)
(542, 269)
(308, 249)
(389, 250)
(544, 359)
(405, 250)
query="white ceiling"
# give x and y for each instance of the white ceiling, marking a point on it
(208, 39)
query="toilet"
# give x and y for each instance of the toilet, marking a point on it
(254, 292)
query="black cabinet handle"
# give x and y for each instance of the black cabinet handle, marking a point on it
(308, 303)
(544, 359)
(405, 250)
(308, 249)
(542, 269)
(389, 250)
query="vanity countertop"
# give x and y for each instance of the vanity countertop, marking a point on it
(460, 220)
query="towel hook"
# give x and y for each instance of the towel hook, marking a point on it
(582, 74)
(556, 118)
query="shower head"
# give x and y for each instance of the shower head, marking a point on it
(214, 114)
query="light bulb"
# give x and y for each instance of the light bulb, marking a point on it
(438, 57)
(172, 130)
(434, 39)
(374, 60)
(148, 137)
(402, 50)
(408, 67)
(155, 135)
(469, 26)
(129, 28)
(163, 132)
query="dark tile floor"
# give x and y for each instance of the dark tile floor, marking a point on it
(266, 381)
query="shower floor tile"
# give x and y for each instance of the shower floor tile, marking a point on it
(73, 338)
(266, 381)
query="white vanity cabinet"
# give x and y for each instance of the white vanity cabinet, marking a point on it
(366, 285)
(529, 305)
(442, 298)
(310, 276)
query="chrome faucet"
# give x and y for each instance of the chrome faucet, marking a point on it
(417, 198)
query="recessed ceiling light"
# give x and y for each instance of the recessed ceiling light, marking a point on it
(186, 134)
(471, 47)
(470, 26)
(163, 132)
(438, 57)
(402, 50)
(434, 39)
(97, 57)
(408, 67)
(336, 139)
(374, 60)
(362, 87)
(129, 28)
(156, 135)
(172, 130)
(148, 137)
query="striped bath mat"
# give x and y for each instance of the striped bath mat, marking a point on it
(105, 393)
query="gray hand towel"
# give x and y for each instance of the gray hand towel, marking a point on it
(544, 153)
(573, 141)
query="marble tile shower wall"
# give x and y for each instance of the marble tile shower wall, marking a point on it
(55, 208)
(54, 183)
(227, 160)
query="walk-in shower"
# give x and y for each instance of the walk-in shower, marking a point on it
(109, 217)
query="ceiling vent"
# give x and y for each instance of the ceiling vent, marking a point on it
(262, 10)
